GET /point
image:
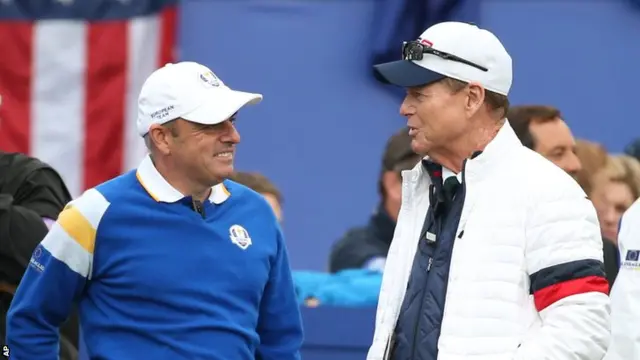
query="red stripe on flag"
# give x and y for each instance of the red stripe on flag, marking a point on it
(105, 101)
(550, 294)
(16, 42)
(168, 29)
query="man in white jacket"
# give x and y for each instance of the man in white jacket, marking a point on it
(625, 295)
(497, 253)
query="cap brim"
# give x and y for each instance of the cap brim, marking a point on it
(222, 106)
(405, 73)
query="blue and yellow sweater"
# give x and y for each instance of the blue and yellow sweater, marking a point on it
(155, 279)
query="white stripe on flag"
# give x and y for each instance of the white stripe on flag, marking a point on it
(144, 49)
(58, 98)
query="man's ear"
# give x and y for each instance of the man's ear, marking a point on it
(160, 138)
(475, 98)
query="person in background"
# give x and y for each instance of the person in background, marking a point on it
(367, 246)
(615, 187)
(32, 195)
(625, 295)
(263, 186)
(593, 157)
(542, 129)
(161, 259)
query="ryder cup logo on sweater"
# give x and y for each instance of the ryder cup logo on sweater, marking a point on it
(209, 79)
(239, 236)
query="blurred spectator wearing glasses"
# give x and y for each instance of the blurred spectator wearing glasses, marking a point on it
(542, 129)
(367, 246)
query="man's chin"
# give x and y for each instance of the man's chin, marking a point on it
(420, 147)
(220, 172)
(226, 172)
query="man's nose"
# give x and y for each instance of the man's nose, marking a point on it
(572, 164)
(406, 109)
(231, 134)
(234, 135)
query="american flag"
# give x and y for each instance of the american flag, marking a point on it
(70, 73)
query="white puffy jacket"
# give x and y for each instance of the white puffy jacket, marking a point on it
(625, 295)
(522, 216)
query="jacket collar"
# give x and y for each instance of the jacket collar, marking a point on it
(161, 191)
(483, 163)
(479, 165)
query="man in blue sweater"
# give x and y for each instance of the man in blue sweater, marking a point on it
(169, 261)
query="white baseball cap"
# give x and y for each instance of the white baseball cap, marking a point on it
(190, 91)
(460, 51)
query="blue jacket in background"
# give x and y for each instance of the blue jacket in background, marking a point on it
(347, 288)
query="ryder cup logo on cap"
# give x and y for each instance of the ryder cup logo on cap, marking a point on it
(209, 79)
(451, 49)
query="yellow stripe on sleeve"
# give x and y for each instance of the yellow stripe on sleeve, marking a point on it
(78, 227)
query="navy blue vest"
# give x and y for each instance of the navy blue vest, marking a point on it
(418, 327)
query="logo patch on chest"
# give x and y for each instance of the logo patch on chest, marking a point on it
(632, 260)
(240, 236)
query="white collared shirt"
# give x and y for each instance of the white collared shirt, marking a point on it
(160, 190)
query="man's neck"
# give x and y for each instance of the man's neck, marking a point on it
(184, 185)
(202, 195)
(463, 148)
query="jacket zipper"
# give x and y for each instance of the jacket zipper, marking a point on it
(417, 322)
(429, 263)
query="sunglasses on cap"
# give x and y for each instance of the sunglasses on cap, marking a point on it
(415, 50)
